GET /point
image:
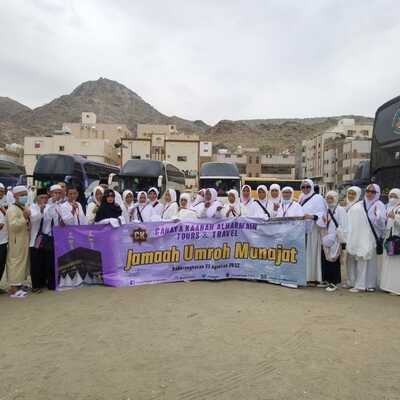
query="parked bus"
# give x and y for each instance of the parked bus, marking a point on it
(220, 176)
(137, 175)
(255, 182)
(385, 148)
(12, 174)
(77, 170)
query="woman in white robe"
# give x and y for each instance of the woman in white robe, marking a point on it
(143, 211)
(94, 205)
(288, 206)
(248, 207)
(152, 195)
(232, 207)
(128, 206)
(197, 203)
(353, 195)
(314, 208)
(274, 199)
(390, 276)
(185, 213)
(361, 242)
(211, 207)
(261, 204)
(170, 205)
(334, 231)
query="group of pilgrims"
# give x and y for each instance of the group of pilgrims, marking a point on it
(336, 235)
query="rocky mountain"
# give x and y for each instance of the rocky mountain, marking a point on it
(10, 107)
(115, 103)
(273, 135)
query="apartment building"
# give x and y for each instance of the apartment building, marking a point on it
(331, 158)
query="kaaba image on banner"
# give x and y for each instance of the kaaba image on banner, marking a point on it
(80, 265)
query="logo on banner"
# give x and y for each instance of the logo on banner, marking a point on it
(139, 235)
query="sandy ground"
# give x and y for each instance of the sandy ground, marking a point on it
(200, 340)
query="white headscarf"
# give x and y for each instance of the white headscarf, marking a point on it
(265, 189)
(185, 196)
(214, 194)
(124, 194)
(155, 190)
(306, 196)
(357, 191)
(276, 199)
(370, 203)
(396, 203)
(172, 193)
(139, 195)
(235, 205)
(237, 199)
(288, 189)
(199, 197)
(241, 193)
(333, 194)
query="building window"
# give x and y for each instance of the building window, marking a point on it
(135, 157)
(250, 160)
(37, 145)
(227, 156)
(257, 160)
(181, 158)
(61, 148)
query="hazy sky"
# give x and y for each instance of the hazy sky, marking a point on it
(207, 59)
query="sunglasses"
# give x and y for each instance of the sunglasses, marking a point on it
(305, 187)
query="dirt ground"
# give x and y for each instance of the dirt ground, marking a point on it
(202, 340)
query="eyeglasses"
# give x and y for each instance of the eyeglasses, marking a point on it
(305, 187)
(370, 191)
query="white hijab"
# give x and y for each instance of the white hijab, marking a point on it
(392, 205)
(357, 191)
(265, 189)
(185, 196)
(275, 200)
(308, 195)
(232, 209)
(241, 195)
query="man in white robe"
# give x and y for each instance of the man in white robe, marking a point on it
(18, 227)
(314, 208)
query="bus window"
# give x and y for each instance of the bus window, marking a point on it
(222, 186)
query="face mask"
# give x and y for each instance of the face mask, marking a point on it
(285, 202)
(331, 206)
(23, 200)
(393, 201)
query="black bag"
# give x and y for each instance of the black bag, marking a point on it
(378, 240)
(392, 244)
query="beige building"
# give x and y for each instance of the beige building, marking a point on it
(165, 143)
(93, 149)
(252, 163)
(88, 128)
(331, 158)
(146, 131)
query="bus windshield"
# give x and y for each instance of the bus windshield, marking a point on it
(138, 183)
(222, 186)
(11, 174)
(385, 148)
